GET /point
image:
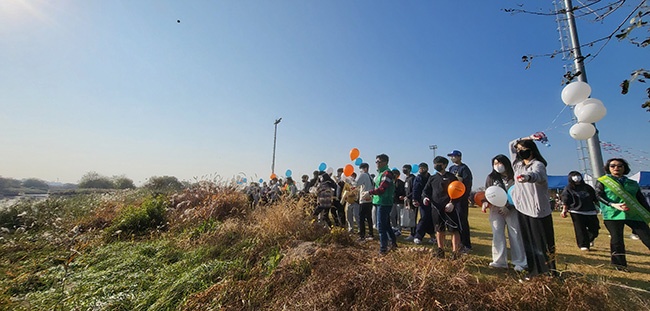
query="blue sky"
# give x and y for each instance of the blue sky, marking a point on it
(121, 88)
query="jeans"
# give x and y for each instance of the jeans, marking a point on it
(383, 225)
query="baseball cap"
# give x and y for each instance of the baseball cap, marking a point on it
(455, 153)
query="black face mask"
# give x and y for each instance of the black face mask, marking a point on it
(524, 154)
(439, 167)
(406, 172)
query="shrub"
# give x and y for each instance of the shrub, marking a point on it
(137, 220)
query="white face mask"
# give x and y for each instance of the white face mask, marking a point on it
(576, 178)
(499, 168)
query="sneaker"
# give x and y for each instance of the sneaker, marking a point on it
(382, 253)
(398, 232)
(465, 250)
(432, 241)
(634, 237)
(409, 238)
(520, 268)
(417, 241)
(439, 253)
(584, 249)
(498, 266)
(621, 268)
(393, 247)
(370, 238)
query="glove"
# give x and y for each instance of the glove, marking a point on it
(449, 207)
(426, 201)
(523, 178)
(485, 206)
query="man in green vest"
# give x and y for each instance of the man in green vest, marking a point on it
(383, 196)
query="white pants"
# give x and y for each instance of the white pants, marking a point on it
(499, 224)
(352, 214)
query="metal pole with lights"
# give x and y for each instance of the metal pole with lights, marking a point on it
(275, 135)
(433, 147)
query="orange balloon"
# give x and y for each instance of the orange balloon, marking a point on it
(479, 197)
(348, 170)
(354, 153)
(273, 176)
(456, 189)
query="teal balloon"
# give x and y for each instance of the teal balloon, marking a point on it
(358, 161)
(322, 166)
(261, 180)
(415, 168)
(244, 180)
(510, 191)
(288, 173)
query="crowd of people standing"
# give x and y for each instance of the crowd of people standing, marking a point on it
(386, 203)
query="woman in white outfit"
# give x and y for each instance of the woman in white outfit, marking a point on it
(501, 218)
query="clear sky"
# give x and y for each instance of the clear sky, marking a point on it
(122, 88)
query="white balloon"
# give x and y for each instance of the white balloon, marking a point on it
(591, 110)
(496, 196)
(329, 170)
(582, 131)
(576, 92)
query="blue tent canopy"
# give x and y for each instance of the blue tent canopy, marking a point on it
(643, 177)
(557, 181)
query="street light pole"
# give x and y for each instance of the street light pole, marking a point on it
(275, 135)
(433, 147)
(593, 143)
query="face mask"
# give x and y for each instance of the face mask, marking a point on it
(406, 172)
(439, 167)
(524, 154)
(499, 168)
(576, 178)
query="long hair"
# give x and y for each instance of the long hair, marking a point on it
(572, 184)
(510, 174)
(530, 144)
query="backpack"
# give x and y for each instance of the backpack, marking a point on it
(325, 195)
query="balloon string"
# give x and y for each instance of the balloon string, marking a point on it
(556, 117)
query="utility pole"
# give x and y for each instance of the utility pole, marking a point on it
(275, 135)
(593, 143)
(433, 147)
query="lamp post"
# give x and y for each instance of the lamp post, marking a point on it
(275, 135)
(593, 143)
(433, 147)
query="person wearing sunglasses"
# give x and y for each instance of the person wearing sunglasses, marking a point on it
(622, 204)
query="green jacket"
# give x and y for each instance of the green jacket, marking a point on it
(384, 192)
(610, 213)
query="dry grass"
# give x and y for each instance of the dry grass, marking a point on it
(277, 258)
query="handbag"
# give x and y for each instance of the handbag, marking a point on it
(407, 217)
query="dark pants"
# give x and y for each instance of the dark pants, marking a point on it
(539, 242)
(463, 214)
(617, 245)
(416, 217)
(322, 212)
(365, 216)
(425, 224)
(338, 213)
(586, 228)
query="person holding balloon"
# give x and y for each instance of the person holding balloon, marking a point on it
(580, 201)
(530, 197)
(622, 204)
(443, 192)
(502, 215)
